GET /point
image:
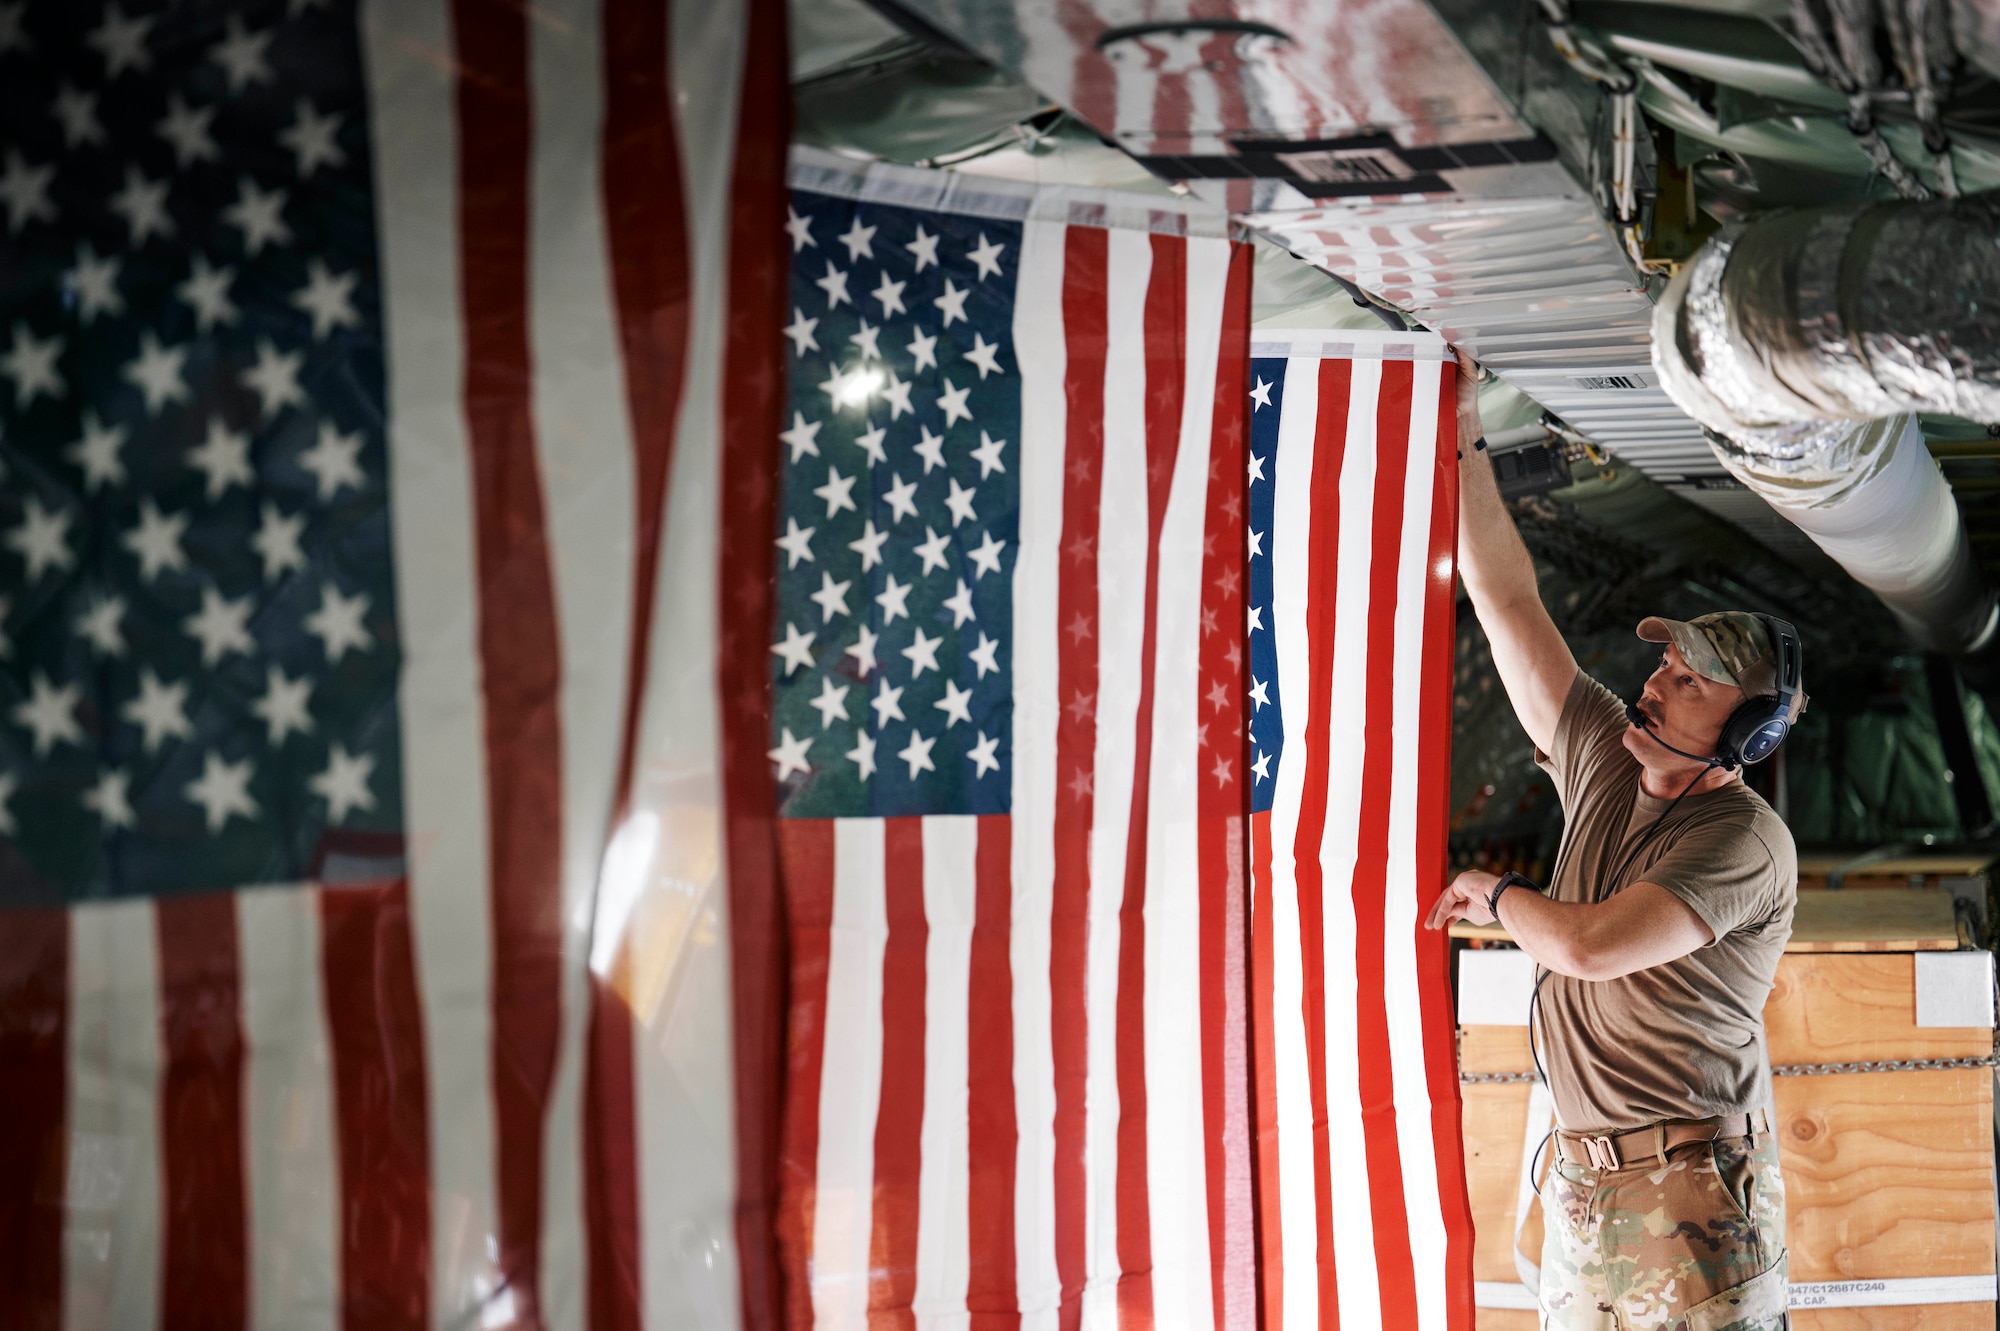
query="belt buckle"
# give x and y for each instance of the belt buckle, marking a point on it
(1603, 1154)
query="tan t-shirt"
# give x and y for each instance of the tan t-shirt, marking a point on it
(1684, 1039)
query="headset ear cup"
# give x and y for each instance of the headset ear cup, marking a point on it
(1738, 746)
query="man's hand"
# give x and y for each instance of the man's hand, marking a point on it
(1465, 900)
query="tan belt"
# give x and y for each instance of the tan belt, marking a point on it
(1642, 1146)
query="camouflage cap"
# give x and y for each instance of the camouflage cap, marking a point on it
(1729, 647)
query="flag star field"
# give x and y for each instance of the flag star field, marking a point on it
(899, 522)
(1267, 722)
(191, 380)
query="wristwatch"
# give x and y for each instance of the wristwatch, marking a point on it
(1507, 880)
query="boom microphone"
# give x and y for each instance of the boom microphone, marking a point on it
(1634, 716)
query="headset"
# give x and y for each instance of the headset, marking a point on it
(1759, 725)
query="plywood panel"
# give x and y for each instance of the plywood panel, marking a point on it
(1873, 920)
(1495, 1118)
(1494, 1049)
(1937, 1317)
(1857, 1007)
(1888, 1173)
(1819, 866)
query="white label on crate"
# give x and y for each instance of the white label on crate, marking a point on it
(1954, 989)
(1909, 1292)
(1494, 985)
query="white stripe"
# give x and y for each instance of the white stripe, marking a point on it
(289, 1155)
(1288, 541)
(1121, 626)
(112, 1217)
(437, 598)
(944, 1264)
(1177, 1162)
(1134, 87)
(583, 445)
(1041, 353)
(1403, 995)
(1346, 704)
(1204, 113)
(683, 1044)
(850, 1079)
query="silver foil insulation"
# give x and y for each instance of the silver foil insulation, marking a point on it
(1783, 326)
(1805, 340)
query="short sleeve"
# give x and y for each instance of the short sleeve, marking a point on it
(1588, 735)
(1727, 873)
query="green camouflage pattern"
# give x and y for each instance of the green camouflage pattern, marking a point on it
(1729, 647)
(1695, 1245)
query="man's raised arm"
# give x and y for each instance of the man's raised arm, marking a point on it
(1534, 662)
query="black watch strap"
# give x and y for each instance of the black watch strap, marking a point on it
(1507, 880)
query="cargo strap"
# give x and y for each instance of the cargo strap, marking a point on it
(1789, 1069)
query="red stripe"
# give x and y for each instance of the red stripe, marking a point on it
(34, 1159)
(204, 1256)
(646, 237)
(1433, 797)
(992, 1138)
(1322, 566)
(611, 1152)
(807, 845)
(1086, 331)
(753, 317)
(375, 1035)
(1166, 387)
(899, 1113)
(1218, 53)
(518, 645)
(1393, 1262)
(1222, 801)
(1270, 1233)
(1093, 81)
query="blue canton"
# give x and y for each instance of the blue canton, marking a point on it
(197, 613)
(1267, 722)
(892, 640)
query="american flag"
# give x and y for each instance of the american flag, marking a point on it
(362, 367)
(1006, 654)
(1352, 510)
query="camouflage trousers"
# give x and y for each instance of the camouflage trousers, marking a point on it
(1695, 1245)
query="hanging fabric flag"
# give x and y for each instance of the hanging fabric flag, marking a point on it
(1352, 501)
(1008, 742)
(361, 365)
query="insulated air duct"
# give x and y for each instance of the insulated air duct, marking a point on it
(1805, 341)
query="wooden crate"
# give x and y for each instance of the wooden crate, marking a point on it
(1879, 870)
(1887, 1174)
